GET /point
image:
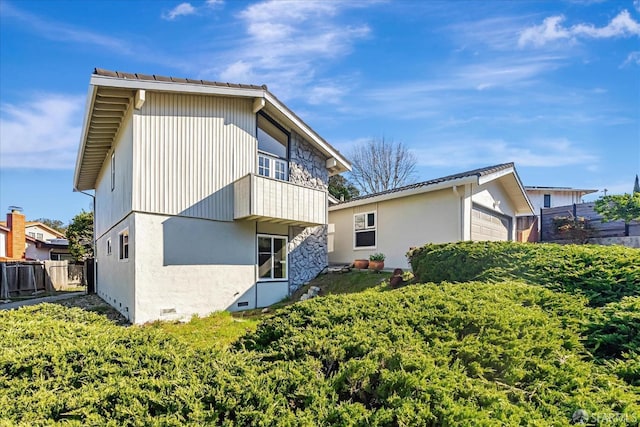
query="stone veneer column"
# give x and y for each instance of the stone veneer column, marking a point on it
(308, 253)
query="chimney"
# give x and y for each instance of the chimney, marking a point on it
(16, 244)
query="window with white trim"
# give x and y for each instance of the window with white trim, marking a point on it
(113, 170)
(272, 257)
(39, 236)
(364, 226)
(109, 248)
(547, 200)
(123, 245)
(273, 147)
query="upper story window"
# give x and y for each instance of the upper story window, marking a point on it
(273, 147)
(39, 236)
(547, 200)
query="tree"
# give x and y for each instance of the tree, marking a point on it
(636, 186)
(56, 224)
(80, 236)
(625, 207)
(380, 165)
(341, 188)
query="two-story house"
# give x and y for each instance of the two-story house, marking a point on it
(208, 196)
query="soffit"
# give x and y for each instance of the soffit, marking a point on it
(106, 115)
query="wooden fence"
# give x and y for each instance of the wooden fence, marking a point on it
(598, 228)
(21, 278)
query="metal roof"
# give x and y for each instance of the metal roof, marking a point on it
(489, 173)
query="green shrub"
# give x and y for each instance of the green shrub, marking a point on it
(448, 354)
(603, 273)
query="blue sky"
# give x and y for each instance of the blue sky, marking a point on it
(553, 86)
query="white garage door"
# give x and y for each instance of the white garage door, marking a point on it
(488, 225)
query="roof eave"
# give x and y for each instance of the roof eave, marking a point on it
(169, 86)
(91, 95)
(343, 165)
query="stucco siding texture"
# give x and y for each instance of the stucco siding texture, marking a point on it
(401, 223)
(116, 277)
(189, 150)
(190, 266)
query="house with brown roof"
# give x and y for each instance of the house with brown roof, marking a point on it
(480, 204)
(208, 196)
(30, 240)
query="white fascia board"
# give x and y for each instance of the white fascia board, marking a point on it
(495, 175)
(91, 95)
(582, 191)
(405, 193)
(512, 171)
(344, 164)
(160, 86)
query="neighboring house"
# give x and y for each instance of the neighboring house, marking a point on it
(481, 204)
(551, 197)
(29, 240)
(4, 238)
(544, 198)
(42, 232)
(208, 196)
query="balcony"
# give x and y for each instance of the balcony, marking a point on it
(271, 200)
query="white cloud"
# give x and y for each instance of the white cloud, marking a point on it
(61, 32)
(183, 9)
(636, 4)
(288, 42)
(549, 153)
(325, 94)
(239, 71)
(551, 29)
(632, 58)
(41, 134)
(214, 3)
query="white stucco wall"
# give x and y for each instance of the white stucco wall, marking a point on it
(402, 223)
(115, 277)
(3, 243)
(434, 217)
(186, 266)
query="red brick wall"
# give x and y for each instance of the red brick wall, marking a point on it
(16, 239)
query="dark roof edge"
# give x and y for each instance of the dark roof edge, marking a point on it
(475, 172)
(153, 77)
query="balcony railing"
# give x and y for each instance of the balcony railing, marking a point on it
(271, 200)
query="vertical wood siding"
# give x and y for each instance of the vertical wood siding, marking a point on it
(188, 151)
(113, 205)
(257, 196)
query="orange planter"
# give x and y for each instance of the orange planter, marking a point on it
(361, 264)
(376, 265)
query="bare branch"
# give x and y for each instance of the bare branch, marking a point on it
(380, 165)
